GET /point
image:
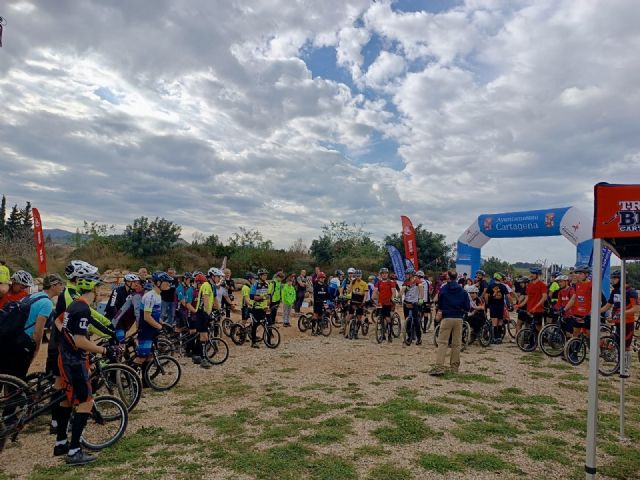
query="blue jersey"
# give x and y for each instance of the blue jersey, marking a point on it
(185, 293)
(39, 308)
(151, 302)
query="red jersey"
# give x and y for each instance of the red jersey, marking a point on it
(385, 291)
(535, 290)
(582, 306)
(12, 297)
(564, 295)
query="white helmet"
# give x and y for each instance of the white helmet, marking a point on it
(351, 270)
(471, 289)
(22, 278)
(562, 277)
(78, 268)
(420, 273)
(214, 272)
(131, 277)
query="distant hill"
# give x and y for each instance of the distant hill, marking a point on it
(59, 236)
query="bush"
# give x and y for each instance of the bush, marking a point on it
(146, 238)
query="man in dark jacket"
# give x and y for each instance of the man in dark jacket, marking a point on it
(453, 303)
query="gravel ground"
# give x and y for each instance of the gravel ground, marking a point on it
(360, 373)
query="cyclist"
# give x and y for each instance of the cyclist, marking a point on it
(631, 308)
(245, 292)
(129, 312)
(5, 277)
(320, 295)
(73, 365)
(275, 294)
(564, 294)
(384, 294)
(230, 286)
(495, 298)
(334, 285)
(288, 299)
(21, 282)
(17, 353)
(357, 291)
(119, 295)
(259, 295)
(413, 293)
(477, 315)
(580, 302)
(480, 282)
(345, 292)
(150, 322)
(184, 294)
(193, 348)
(535, 298)
(206, 302)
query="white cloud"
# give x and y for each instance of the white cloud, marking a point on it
(385, 69)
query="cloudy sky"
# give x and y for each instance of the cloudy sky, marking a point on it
(283, 115)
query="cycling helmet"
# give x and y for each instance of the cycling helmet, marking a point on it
(351, 270)
(200, 278)
(561, 277)
(215, 272)
(22, 278)
(471, 289)
(148, 285)
(481, 272)
(161, 277)
(322, 275)
(359, 273)
(78, 268)
(420, 273)
(263, 271)
(131, 277)
(88, 282)
(339, 273)
(250, 276)
(409, 271)
(371, 277)
(383, 270)
(616, 274)
(523, 280)
(582, 269)
(187, 275)
(535, 270)
(498, 276)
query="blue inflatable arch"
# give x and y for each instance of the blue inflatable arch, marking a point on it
(575, 225)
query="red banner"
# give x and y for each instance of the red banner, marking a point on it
(410, 245)
(37, 231)
(617, 211)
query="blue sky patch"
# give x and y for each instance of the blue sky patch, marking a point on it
(321, 62)
(105, 94)
(432, 6)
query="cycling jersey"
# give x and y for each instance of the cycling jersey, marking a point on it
(12, 297)
(208, 290)
(98, 324)
(615, 298)
(320, 294)
(385, 292)
(5, 274)
(334, 287)
(346, 289)
(358, 289)
(116, 300)
(497, 295)
(245, 291)
(582, 306)
(261, 289)
(564, 295)
(39, 308)
(151, 303)
(553, 292)
(412, 290)
(184, 293)
(535, 290)
(76, 322)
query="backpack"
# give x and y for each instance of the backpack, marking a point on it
(14, 316)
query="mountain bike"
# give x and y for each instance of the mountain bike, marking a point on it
(576, 349)
(160, 372)
(487, 336)
(265, 332)
(527, 337)
(427, 317)
(411, 325)
(553, 336)
(217, 348)
(20, 404)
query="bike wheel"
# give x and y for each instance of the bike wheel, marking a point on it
(107, 423)
(260, 331)
(365, 326)
(426, 322)
(511, 327)
(466, 335)
(526, 340)
(164, 346)
(335, 320)
(380, 330)
(217, 350)
(238, 334)
(353, 328)
(609, 359)
(226, 326)
(575, 350)
(325, 326)
(486, 335)
(121, 381)
(552, 339)
(162, 373)
(271, 337)
(396, 325)
(303, 323)
(14, 404)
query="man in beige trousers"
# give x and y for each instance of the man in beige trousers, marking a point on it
(453, 303)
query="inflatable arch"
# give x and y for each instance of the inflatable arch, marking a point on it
(569, 222)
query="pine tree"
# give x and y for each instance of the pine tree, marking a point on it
(3, 215)
(14, 222)
(27, 218)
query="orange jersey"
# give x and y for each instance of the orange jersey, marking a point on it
(582, 306)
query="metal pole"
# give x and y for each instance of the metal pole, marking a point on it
(594, 355)
(623, 331)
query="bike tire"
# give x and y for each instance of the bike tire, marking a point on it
(303, 323)
(121, 381)
(511, 327)
(325, 326)
(552, 340)
(217, 350)
(13, 394)
(271, 337)
(380, 330)
(466, 336)
(486, 335)
(164, 346)
(107, 423)
(396, 325)
(162, 373)
(527, 340)
(226, 326)
(335, 320)
(575, 351)
(609, 360)
(238, 334)
(353, 328)
(365, 327)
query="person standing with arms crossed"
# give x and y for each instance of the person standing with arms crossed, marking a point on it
(453, 303)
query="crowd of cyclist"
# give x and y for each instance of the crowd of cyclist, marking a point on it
(186, 302)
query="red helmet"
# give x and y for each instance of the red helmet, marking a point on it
(201, 278)
(322, 275)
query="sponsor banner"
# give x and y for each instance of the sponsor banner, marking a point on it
(39, 237)
(534, 223)
(473, 236)
(576, 226)
(410, 245)
(617, 211)
(396, 261)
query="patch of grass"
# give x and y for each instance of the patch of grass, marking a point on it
(574, 386)
(547, 448)
(560, 366)
(370, 451)
(439, 463)
(310, 409)
(407, 429)
(321, 387)
(517, 396)
(282, 400)
(281, 462)
(387, 471)
(387, 377)
(477, 431)
(564, 422)
(287, 370)
(408, 377)
(332, 468)
(625, 464)
(331, 430)
(468, 393)
(340, 374)
(282, 431)
(208, 393)
(537, 374)
(504, 446)
(231, 425)
(469, 378)
(463, 461)
(573, 377)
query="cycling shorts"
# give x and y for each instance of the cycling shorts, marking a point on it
(145, 342)
(581, 322)
(496, 311)
(385, 311)
(259, 314)
(76, 380)
(358, 309)
(318, 308)
(201, 321)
